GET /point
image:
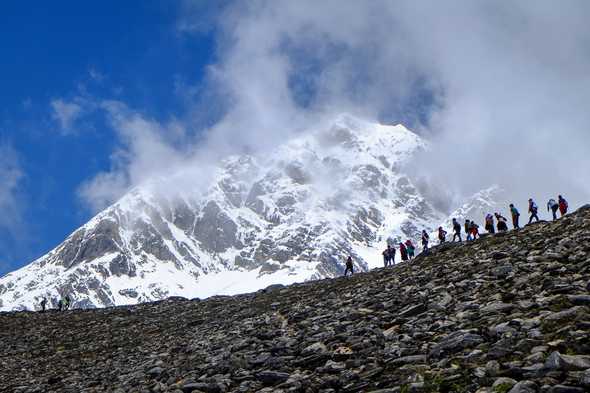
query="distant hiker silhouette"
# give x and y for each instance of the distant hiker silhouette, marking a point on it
(425, 240)
(515, 216)
(410, 248)
(553, 206)
(563, 206)
(474, 229)
(43, 304)
(442, 235)
(501, 222)
(349, 266)
(490, 224)
(388, 255)
(468, 230)
(533, 209)
(456, 230)
(403, 252)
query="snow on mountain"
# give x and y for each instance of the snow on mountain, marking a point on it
(290, 216)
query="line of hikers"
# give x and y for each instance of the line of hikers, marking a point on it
(407, 249)
(62, 304)
(472, 229)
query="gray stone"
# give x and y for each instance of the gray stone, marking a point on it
(557, 361)
(272, 377)
(524, 387)
(503, 384)
(455, 342)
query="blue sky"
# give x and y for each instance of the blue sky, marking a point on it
(131, 51)
(99, 97)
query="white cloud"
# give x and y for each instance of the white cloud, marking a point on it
(66, 113)
(502, 88)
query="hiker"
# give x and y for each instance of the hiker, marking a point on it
(349, 266)
(552, 206)
(515, 216)
(403, 251)
(533, 209)
(456, 230)
(468, 230)
(490, 224)
(43, 304)
(562, 205)
(60, 305)
(387, 255)
(425, 239)
(411, 249)
(474, 229)
(442, 235)
(502, 223)
(67, 302)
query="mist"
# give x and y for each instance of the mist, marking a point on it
(501, 90)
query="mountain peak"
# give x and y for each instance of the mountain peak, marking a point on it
(288, 216)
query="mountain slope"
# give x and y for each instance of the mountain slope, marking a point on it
(509, 311)
(286, 217)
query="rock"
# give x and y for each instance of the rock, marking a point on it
(498, 307)
(333, 367)
(201, 387)
(502, 271)
(273, 288)
(272, 377)
(415, 359)
(314, 349)
(579, 300)
(492, 368)
(497, 255)
(413, 310)
(566, 389)
(557, 361)
(524, 387)
(455, 342)
(155, 372)
(503, 385)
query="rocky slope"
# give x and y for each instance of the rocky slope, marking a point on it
(287, 217)
(507, 313)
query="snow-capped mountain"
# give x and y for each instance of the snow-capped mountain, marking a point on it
(289, 216)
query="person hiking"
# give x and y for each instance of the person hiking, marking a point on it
(553, 206)
(411, 249)
(425, 239)
(442, 235)
(533, 209)
(43, 304)
(349, 266)
(490, 224)
(456, 230)
(468, 230)
(563, 206)
(502, 223)
(515, 216)
(403, 252)
(387, 255)
(60, 305)
(67, 302)
(474, 229)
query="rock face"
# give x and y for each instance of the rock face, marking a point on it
(288, 217)
(444, 322)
